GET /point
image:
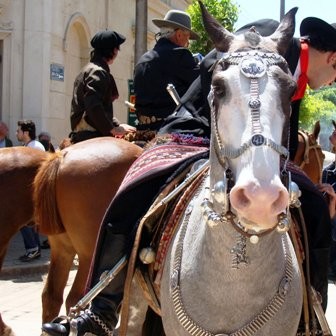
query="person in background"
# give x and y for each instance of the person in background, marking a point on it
(26, 134)
(45, 139)
(4, 140)
(169, 62)
(328, 187)
(95, 90)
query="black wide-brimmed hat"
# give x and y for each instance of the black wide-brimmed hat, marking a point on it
(264, 27)
(107, 39)
(176, 19)
(312, 26)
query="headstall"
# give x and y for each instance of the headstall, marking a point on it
(253, 65)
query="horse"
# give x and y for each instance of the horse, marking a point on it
(309, 155)
(231, 268)
(18, 167)
(66, 193)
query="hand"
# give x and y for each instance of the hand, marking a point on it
(328, 191)
(122, 129)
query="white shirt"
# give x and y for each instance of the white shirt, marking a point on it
(35, 144)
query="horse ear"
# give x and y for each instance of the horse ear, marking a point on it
(285, 31)
(317, 129)
(221, 37)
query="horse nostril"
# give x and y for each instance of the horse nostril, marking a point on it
(239, 199)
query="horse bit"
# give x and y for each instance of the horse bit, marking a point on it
(253, 65)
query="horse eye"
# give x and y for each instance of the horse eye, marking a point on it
(218, 87)
(219, 91)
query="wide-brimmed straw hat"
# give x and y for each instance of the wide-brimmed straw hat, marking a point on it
(176, 19)
(317, 27)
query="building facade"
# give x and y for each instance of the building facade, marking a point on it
(45, 43)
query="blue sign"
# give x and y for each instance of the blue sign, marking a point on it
(57, 72)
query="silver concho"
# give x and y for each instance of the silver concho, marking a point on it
(254, 103)
(252, 67)
(258, 140)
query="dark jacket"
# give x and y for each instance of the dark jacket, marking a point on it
(94, 92)
(166, 63)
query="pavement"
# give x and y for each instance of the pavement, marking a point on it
(21, 287)
(13, 267)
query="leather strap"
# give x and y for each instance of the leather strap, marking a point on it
(303, 79)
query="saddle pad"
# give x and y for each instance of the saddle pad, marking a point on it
(157, 160)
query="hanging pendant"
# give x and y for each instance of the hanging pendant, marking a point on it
(239, 253)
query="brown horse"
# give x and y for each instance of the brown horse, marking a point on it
(72, 190)
(18, 167)
(309, 156)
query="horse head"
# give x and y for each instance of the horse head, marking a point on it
(250, 102)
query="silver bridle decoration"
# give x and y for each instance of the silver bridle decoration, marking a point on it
(253, 65)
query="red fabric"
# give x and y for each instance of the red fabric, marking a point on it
(303, 79)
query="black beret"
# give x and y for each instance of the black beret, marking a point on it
(264, 27)
(317, 27)
(107, 39)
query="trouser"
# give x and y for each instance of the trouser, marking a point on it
(332, 263)
(31, 238)
(317, 223)
(115, 240)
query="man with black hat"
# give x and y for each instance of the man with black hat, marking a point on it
(95, 90)
(168, 62)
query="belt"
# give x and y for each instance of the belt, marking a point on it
(146, 120)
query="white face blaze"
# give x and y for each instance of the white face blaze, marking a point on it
(258, 195)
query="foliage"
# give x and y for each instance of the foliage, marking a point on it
(318, 105)
(225, 13)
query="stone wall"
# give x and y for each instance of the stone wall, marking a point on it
(44, 44)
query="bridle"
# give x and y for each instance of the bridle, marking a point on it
(308, 146)
(253, 65)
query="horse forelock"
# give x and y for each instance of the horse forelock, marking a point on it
(252, 40)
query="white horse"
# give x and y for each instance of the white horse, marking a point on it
(231, 268)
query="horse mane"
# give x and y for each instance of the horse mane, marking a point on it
(44, 196)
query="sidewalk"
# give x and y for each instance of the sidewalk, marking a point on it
(13, 267)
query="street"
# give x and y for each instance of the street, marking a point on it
(20, 303)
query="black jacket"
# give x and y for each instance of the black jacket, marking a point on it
(166, 63)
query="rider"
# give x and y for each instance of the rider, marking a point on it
(169, 61)
(115, 239)
(329, 187)
(95, 90)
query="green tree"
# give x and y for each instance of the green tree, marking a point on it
(317, 105)
(223, 10)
